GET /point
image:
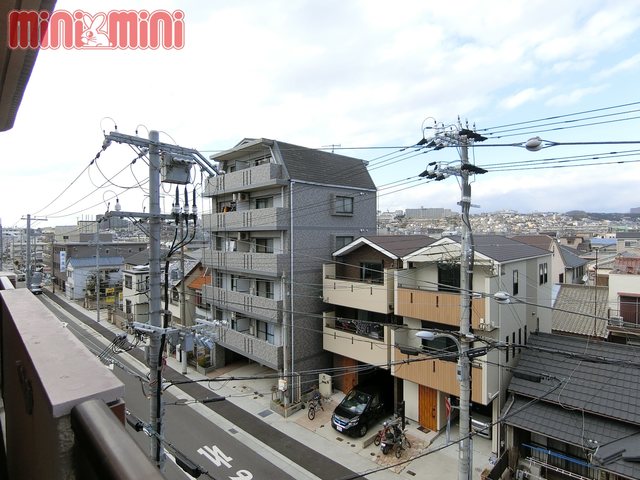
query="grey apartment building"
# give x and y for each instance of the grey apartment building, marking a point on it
(278, 212)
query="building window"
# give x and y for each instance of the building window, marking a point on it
(449, 277)
(266, 202)
(264, 245)
(542, 273)
(515, 282)
(343, 205)
(343, 240)
(127, 308)
(506, 341)
(198, 298)
(371, 272)
(217, 280)
(175, 295)
(128, 281)
(264, 289)
(142, 285)
(266, 331)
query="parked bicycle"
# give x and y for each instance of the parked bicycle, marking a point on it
(314, 404)
(402, 443)
(387, 429)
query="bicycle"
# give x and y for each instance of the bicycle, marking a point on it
(314, 403)
(401, 444)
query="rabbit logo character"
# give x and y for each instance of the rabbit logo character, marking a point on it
(93, 36)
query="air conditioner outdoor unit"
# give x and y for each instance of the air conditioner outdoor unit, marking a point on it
(243, 235)
(234, 315)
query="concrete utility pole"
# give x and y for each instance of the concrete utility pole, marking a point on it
(28, 218)
(156, 328)
(465, 464)
(97, 270)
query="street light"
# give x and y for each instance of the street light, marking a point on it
(465, 465)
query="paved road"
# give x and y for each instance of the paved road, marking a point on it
(195, 434)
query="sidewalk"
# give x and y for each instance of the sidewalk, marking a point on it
(356, 454)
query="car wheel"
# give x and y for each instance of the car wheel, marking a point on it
(362, 431)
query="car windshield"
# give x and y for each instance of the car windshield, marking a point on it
(356, 401)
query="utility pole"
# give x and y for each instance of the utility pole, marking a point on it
(97, 270)
(465, 464)
(28, 218)
(156, 328)
(1, 246)
(460, 138)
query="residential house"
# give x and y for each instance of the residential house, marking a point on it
(581, 310)
(624, 291)
(574, 410)
(627, 240)
(279, 212)
(81, 277)
(566, 265)
(428, 298)
(360, 287)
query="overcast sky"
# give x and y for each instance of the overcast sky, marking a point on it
(350, 73)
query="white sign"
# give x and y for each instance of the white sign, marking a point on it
(63, 261)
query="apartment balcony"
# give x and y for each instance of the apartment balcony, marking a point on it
(272, 264)
(250, 305)
(437, 374)
(342, 337)
(245, 180)
(363, 295)
(63, 410)
(251, 347)
(256, 219)
(434, 306)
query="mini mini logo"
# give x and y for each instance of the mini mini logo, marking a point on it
(116, 29)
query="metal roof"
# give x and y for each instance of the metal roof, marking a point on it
(91, 262)
(575, 307)
(570, 257)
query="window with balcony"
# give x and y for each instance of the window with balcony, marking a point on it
(371, 272)
(198, 298)
(264, 289)
(449, 277)
(342, 205)
(266, 331)
(264, 202)
(127, 308)
(264, 245)
(142, 285)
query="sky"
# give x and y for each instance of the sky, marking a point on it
(363, 76)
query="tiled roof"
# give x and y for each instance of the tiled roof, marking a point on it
(570, 257)
(574, 309)
(325, 168)
(634, 234)
(503, 249)
(540, 241)
(599, 378)
(571, 426)
(198, 283)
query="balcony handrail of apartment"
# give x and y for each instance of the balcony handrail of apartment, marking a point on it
(368, 281)
(342, 325)
(106, 449)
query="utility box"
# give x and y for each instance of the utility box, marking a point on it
(325, 385)
(175, 169)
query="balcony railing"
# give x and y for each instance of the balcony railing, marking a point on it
(250, 305)
(263, 263)
(369, 345)
(245, 180)
(438, 307)
(246, 220)
(64, 411)
(360, 294)
(259, 350)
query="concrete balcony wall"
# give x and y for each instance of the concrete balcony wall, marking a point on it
(373, 297)
(46, 372)
(245, 180)
(247, 220)
(260, 263)
(249, 305)
(364, 349)
(251, 347)
(439, 307)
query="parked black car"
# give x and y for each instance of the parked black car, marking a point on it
(362, 406)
